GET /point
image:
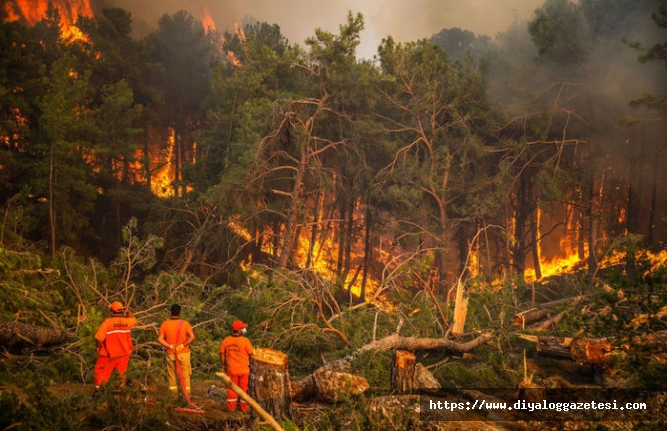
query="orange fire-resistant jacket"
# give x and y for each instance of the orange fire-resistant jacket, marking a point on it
(114, 333)
(237, 350)
(176, 332)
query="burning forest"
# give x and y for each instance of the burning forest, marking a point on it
(455, 203)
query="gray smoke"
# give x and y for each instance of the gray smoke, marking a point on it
(404, 20)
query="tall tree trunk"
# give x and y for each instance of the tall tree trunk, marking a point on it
(591, 218)
(536, 246)
(348, 240)
(316, 224)
(293, 215)
(341, 240)
(52, 200)
(147, 159)
(654, 201)
(368, 249)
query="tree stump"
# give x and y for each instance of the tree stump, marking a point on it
(403, 373)
(270, 382)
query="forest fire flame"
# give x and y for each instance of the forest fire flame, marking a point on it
(320, 260)
(207, 20)
(33, 11)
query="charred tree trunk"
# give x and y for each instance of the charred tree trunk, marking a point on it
(403, 373)
(270, 382)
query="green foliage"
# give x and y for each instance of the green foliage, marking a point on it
(38, 409)
(374, 366)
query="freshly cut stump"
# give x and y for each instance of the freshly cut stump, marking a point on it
(403, 373)
(270, 382)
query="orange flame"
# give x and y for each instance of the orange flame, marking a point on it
(207, 20)
(239, 32)
(163, 173)
(33, 11)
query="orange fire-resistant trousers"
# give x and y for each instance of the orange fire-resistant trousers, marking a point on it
(241, 381)
(104, 368)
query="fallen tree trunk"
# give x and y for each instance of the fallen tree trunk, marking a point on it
(25, 334)
(579, 349)
(529, 316)
(396, 342)
(326, 385)
(541, 311)
(548, 324)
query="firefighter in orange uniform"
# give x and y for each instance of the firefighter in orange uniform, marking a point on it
(235, 352)
(114, 344)
(177, 335)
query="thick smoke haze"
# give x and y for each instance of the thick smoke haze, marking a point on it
(405, 20)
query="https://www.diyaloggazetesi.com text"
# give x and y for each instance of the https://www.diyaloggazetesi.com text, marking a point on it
(503, 405)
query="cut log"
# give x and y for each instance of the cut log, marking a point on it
(529, 316)
(425, 379)
(548, 324)
(589, 351)
(403, 373)
(556, 347)
(582, 350)
(327, 385)
(396, 342)
(270, 382)
(25, 334)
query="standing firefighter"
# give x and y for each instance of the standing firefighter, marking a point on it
(235, 352)
(114, 344)
(177, 335)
